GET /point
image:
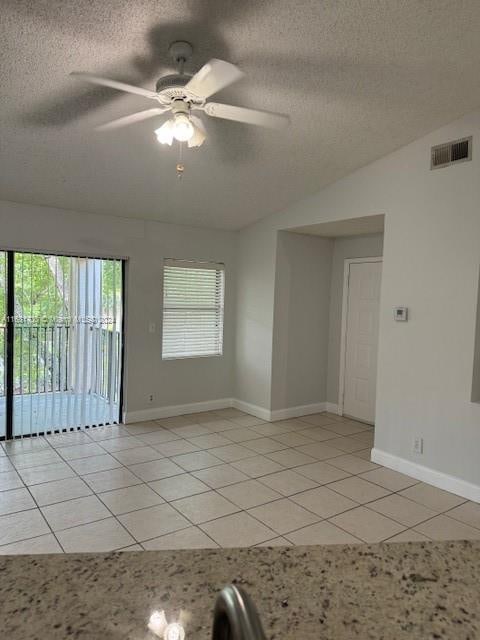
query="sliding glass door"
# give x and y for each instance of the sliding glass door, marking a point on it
(66, 340)
(3, 342)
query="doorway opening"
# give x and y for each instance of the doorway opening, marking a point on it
(61, 342)
(310, 317)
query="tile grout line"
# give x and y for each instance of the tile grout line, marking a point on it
(37, 506)
(45, 519)
(142, 482)
(116, 519)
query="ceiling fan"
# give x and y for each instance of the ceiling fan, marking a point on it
(181, 94)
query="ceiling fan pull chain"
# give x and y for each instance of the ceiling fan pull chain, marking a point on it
(180, 165)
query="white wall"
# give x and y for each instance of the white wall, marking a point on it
(254, 322)
(347, 247)
(301, 317)
(431, 265)
(145, 244)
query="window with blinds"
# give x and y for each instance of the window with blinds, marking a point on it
(193, 301)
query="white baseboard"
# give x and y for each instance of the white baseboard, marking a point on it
(253, 409)
(177, 410)
(155, 413)
(295, 412)
(426, 474)
(331, 407)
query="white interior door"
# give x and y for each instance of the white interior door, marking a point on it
(361, 339)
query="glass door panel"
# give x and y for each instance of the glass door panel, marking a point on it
(3, 342)
(67, 342)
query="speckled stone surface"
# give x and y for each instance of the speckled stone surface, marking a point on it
(411, 590)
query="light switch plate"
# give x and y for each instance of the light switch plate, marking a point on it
(418, 445)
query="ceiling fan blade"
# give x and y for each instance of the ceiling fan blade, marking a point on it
(114, 84)
(131, 119)
(213, 76)
(249, 116)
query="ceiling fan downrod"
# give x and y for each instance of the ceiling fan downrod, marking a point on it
(180, 51)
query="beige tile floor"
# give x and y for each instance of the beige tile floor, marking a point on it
(219, 478)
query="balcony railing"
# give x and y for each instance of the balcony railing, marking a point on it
(45, 360)
(42, 356)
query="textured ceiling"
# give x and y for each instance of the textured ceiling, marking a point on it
(359, 78)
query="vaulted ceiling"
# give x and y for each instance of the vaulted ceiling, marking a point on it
(359, 78)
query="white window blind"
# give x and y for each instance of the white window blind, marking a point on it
(193, 300)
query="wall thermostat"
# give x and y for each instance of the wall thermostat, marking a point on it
(400, 314)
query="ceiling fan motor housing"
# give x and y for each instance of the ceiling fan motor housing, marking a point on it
(172, 87)
(172, 84)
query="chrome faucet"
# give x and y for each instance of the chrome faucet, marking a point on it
(235, 616)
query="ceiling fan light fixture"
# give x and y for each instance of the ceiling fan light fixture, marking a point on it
(199, 133)
(165, 133)
(183, 129)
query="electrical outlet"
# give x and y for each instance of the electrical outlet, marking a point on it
(418, 445)
(150, 398)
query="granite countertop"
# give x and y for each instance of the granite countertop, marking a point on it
(408, 590)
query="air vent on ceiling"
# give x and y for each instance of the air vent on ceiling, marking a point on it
(449, 153)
